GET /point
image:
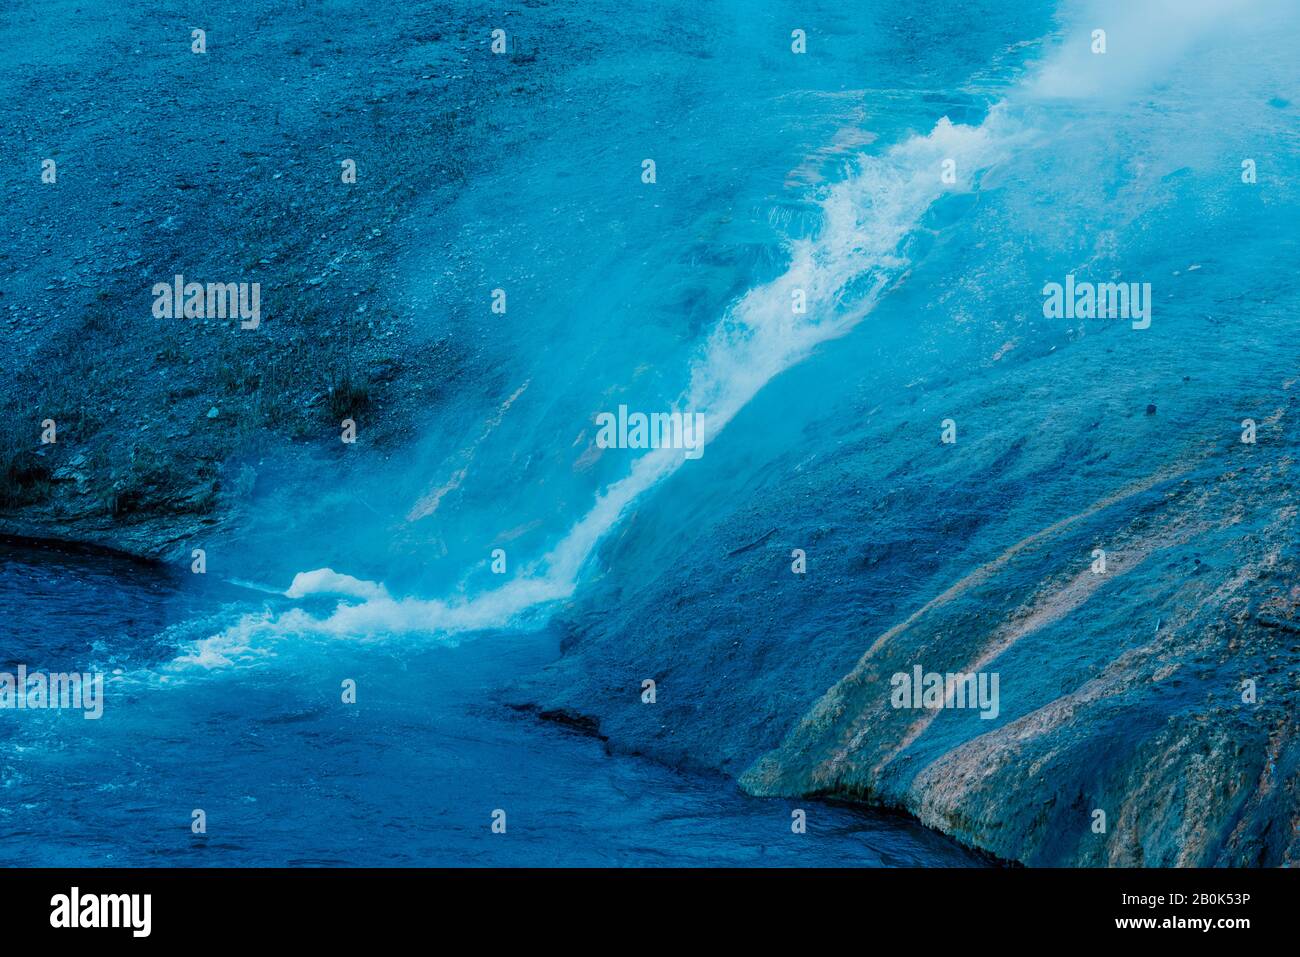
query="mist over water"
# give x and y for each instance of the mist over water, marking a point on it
(867, 228)
(820, 175)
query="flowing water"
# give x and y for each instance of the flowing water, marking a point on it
(408, 775)
(775, 174)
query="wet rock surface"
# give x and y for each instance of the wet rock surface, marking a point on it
(1161, 691)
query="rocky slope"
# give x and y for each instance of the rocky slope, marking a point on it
(1161, 691)
(226, 167)
(1123, 691)
(1189, 768)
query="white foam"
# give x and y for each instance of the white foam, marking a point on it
(844, 269)
(326, 581)
(865, 220)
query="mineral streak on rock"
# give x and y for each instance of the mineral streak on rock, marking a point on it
(1158, 737)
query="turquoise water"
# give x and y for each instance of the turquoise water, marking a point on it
(409, 775)
(775, 172)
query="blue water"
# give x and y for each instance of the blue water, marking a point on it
(408, 775)
(774, 172)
